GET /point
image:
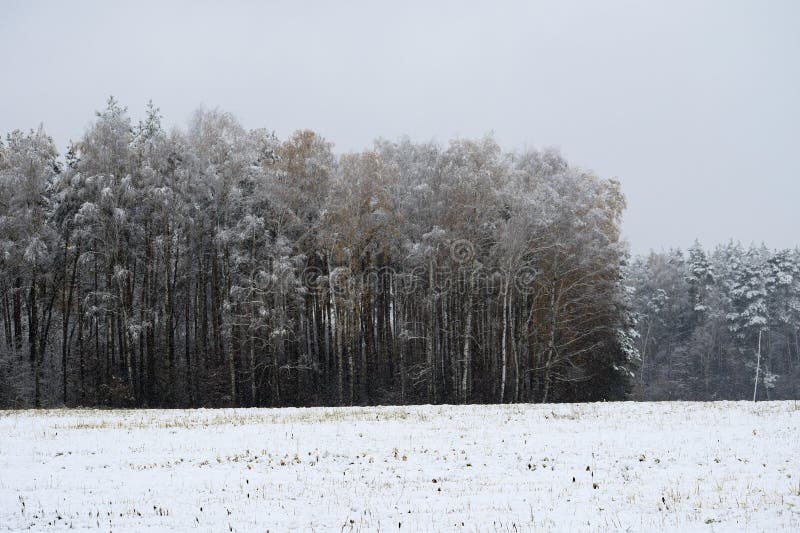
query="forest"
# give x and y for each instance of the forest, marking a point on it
(221, 266)
(712, 324)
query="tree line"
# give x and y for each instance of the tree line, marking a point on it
(221, 266)
(718, 325)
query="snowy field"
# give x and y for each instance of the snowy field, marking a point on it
(622, 466)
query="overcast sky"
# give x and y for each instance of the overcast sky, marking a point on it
(694, 106)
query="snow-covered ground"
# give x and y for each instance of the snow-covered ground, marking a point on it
(620, 466)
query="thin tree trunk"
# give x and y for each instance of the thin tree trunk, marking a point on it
(16, 300)
(187, 337)
(513, 341)
(503, 346)
(81, 356)
(33, 339)
(66, 310)
(431, 360)
(758, 366)
(465, 374)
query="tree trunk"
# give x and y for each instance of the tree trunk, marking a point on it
(431, 360)
(758, 366)
(465, 374)
(546, 384)
(33, 339)
(504, 344)
(187, 335)
(513, 340)
(66, 311)
(16, 300)
(81, 356)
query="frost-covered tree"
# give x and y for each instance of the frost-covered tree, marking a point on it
(28, 168)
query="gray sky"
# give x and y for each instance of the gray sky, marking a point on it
(693, 105)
